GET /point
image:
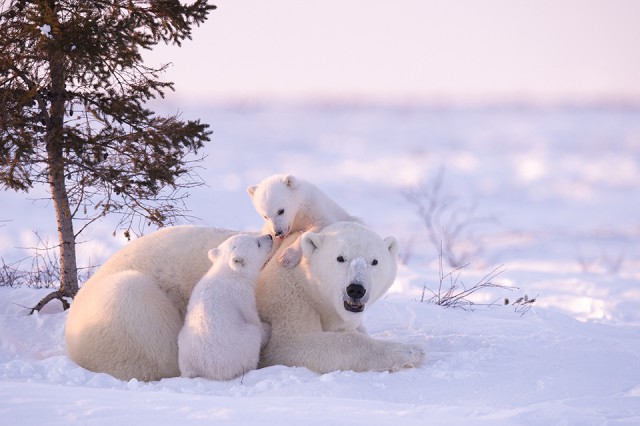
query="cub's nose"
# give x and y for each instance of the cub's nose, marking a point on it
(356, 291)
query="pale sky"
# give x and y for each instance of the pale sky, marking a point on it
(411, 50)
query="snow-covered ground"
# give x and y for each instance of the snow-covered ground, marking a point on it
(556, 195)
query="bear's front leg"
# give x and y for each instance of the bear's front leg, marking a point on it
(323, 352)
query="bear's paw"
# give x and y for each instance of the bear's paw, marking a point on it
(290, 257)
(406, 356)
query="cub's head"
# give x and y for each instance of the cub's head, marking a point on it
(245, 254)
(277, 199)
(348, 267)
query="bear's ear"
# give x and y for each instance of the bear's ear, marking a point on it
(213, 254)
(392, 245)
(290, 181)
(236, 263)
(252, 190)
(310, 242)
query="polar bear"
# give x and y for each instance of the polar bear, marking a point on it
(289, 205)
(222, 333)
(126, 318)
(315, 309)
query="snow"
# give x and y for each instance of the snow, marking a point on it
(45, 30)
(561, 189)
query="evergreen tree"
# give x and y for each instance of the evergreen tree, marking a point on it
(73, 115)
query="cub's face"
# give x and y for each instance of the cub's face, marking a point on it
(243, 253)
(277, 199)
(349, 267)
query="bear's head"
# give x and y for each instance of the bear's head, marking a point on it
(348, 267)
(278, 200)
(244, 254)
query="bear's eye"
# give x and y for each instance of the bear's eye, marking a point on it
(280, 212)
(374, 262)
(340, 259)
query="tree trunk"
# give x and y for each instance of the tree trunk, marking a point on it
(66, 236)
(55, 143)
(57, 184)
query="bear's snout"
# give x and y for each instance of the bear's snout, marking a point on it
(356, 291)
(281, 231)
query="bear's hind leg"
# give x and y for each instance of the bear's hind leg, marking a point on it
(125, 326)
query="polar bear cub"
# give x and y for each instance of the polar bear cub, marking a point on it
(222, 333)
(288, 205)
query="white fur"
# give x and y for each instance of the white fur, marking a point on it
(222, 333)
(307, 305)
(126, 318)
(289, 205)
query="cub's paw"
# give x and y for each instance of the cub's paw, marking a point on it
(290, 257)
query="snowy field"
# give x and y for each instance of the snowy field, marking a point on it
(550, 195)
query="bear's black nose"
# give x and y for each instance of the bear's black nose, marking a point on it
(356, 291)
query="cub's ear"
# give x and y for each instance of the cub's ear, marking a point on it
(392, 246)
(252, 190)
(213, 254)
(291, 181)
(310, 242)
(236, 262)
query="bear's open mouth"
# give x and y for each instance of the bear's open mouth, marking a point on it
(353, 306)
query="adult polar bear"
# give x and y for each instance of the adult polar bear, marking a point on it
(126, 319)
(315, 309)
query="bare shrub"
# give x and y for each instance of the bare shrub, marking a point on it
(523, 304)
(452, 293)
(603, 263)
(449, 225)
(42, 271)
